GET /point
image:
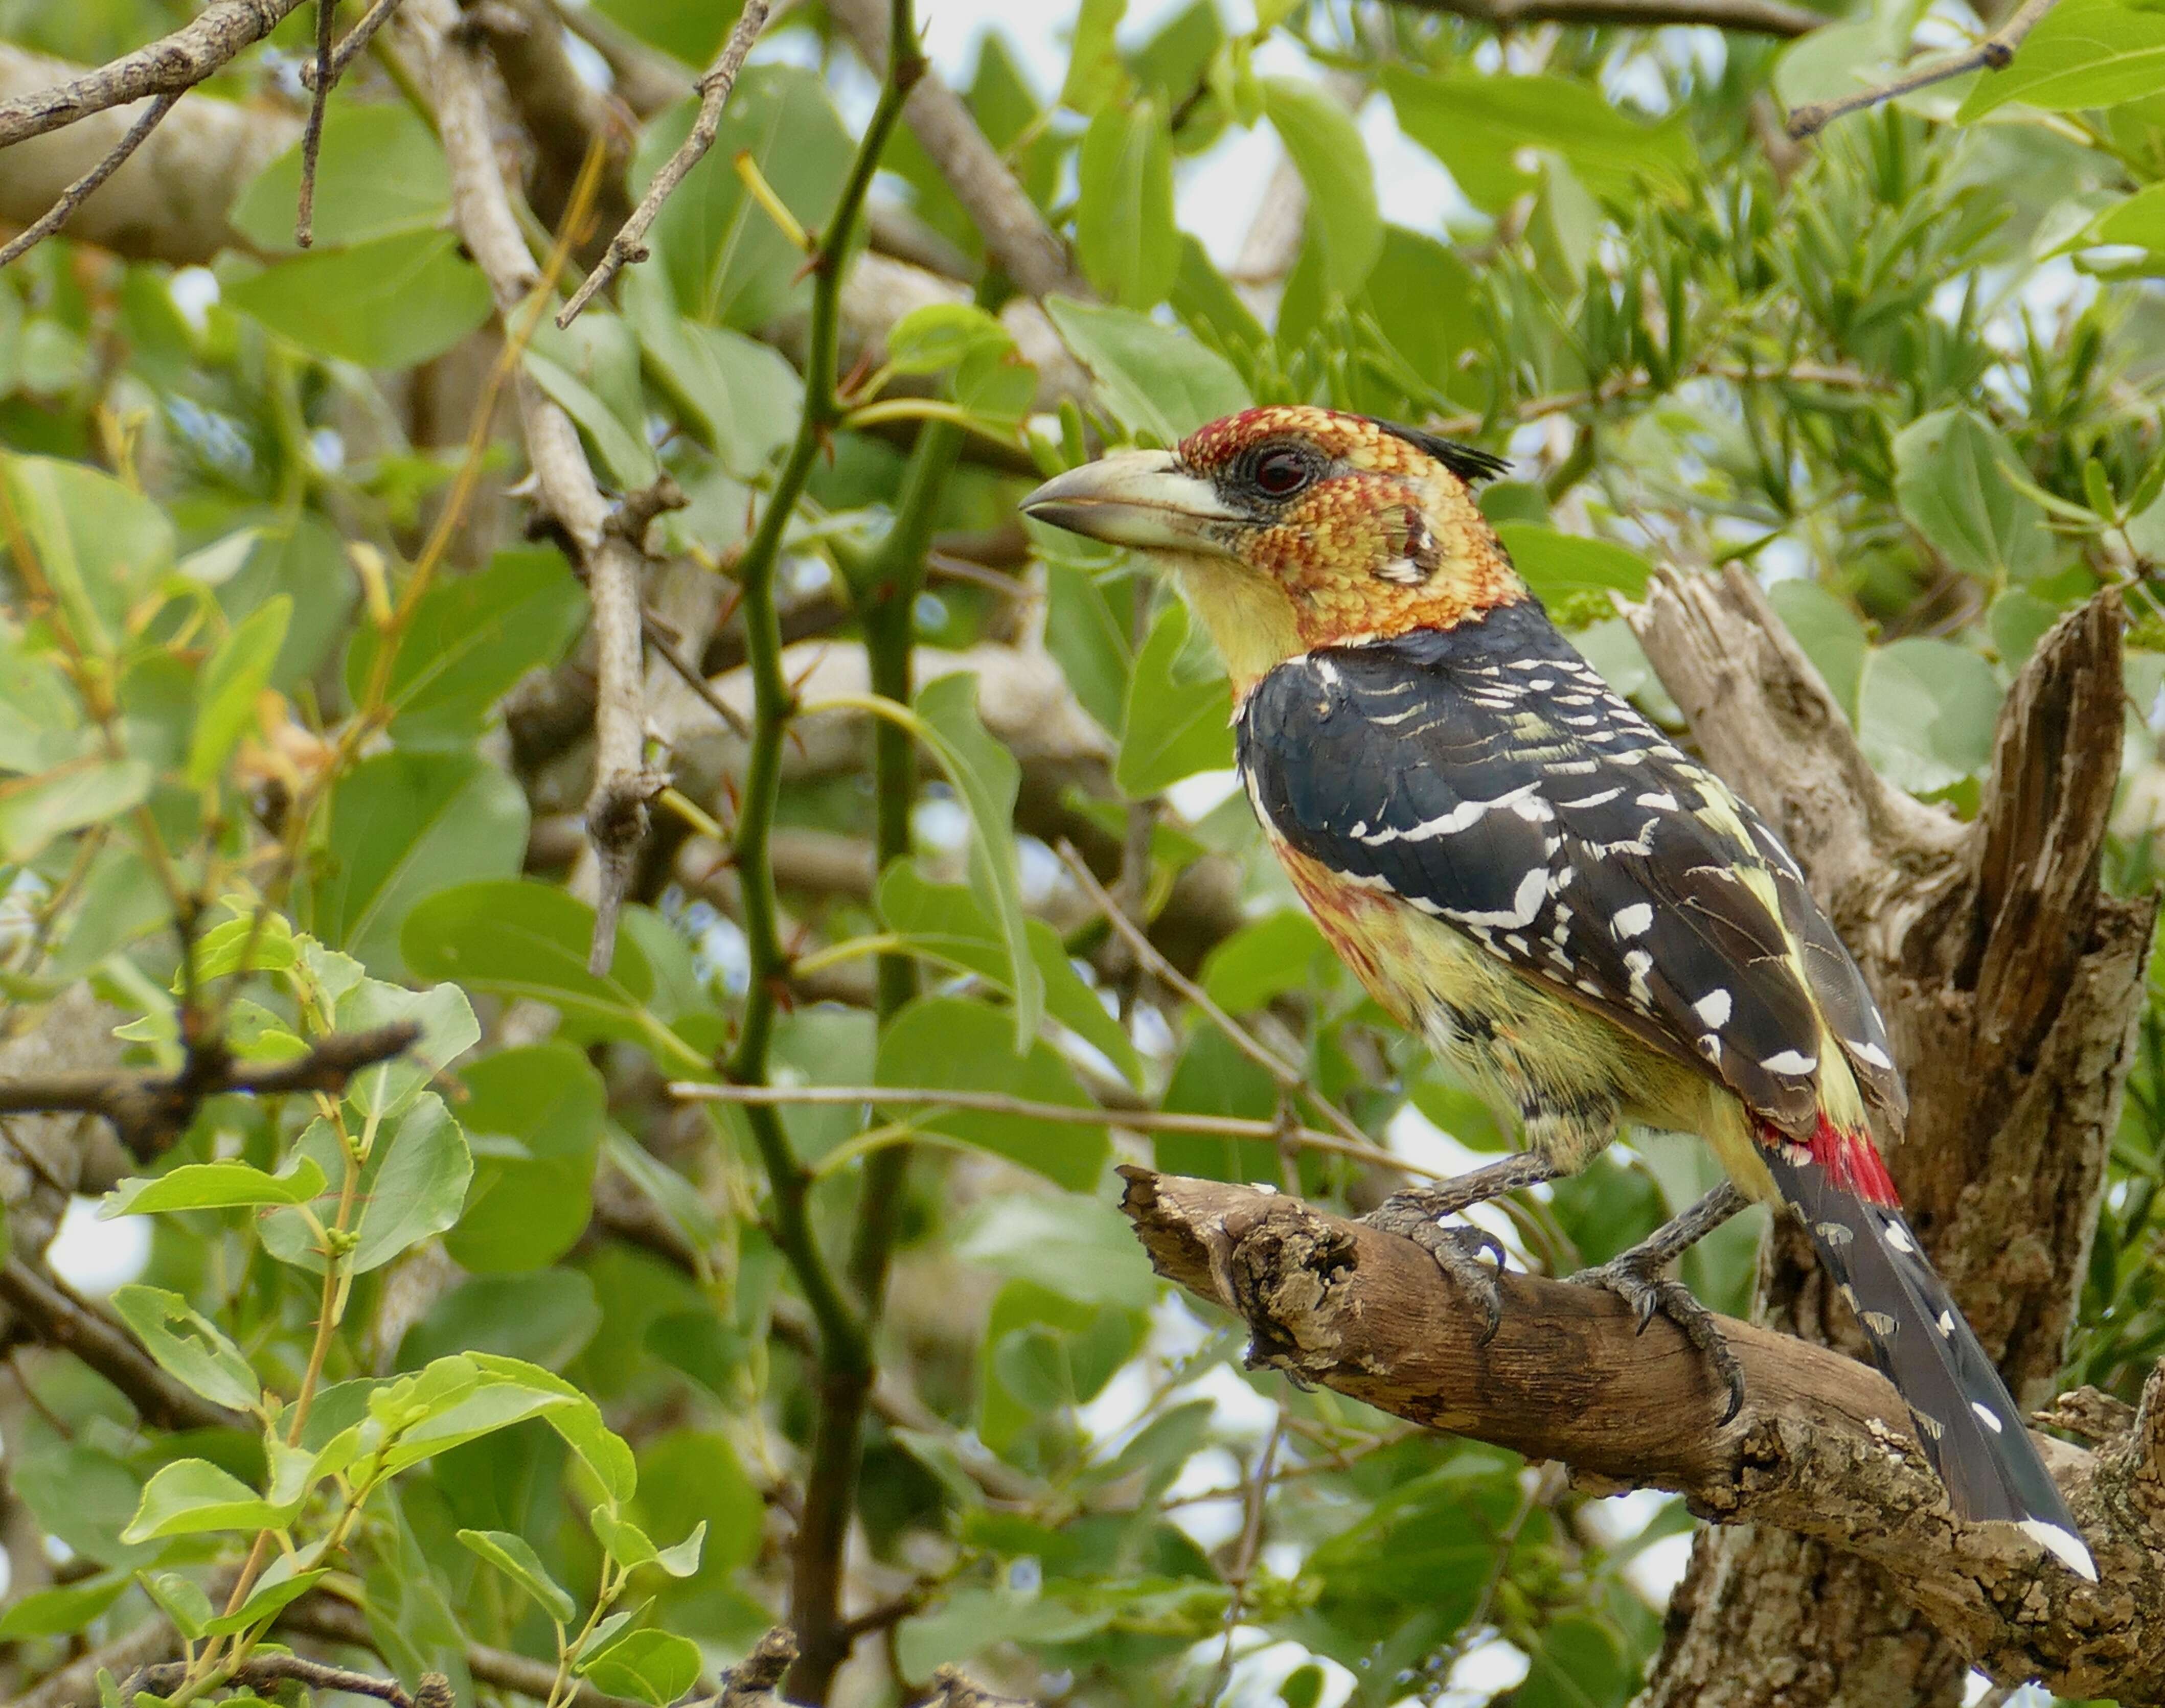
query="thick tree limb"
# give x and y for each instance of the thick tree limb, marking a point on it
(1753, 17)
(148, 1110)
(612, 564)
(1822, 1449)
(171, 64)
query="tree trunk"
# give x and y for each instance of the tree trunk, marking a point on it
(2012, 986)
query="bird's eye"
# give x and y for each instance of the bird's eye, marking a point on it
(1283, 472)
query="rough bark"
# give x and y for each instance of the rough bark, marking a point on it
(1821, 1455)
(2011, 986)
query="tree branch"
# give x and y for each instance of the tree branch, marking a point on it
(434, 1691)
(50, 1309)
(148, 1110)
(1017, 236)
(328, 1620)
(1753, 17)
(1823, 1446)
(1990, 54)
(167, 66)
(78, 193)
(629, 246)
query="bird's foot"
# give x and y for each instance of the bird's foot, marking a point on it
(1457, 1251)
(1634, 1276)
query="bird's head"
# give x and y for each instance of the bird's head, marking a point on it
(1294, 527)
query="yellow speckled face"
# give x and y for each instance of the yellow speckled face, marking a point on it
(1369, 530)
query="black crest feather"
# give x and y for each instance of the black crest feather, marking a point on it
(1463, 460)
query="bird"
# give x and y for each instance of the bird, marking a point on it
(1523, 871)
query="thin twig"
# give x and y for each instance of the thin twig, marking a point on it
(79, 192)
(1064, 1114)
(1755, 16)
(1990, 54)
(147, 1109)
(173, 63)
(47, 1305)
(1254, 1497)
(312, 138)
(352, 43)
(321, 1615)
(629, 246)
(1287, 1075)
(664, 648)
(273, 1669)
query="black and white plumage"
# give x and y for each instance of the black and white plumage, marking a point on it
(1487, 779)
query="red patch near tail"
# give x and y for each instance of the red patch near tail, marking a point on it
(1851, 1161)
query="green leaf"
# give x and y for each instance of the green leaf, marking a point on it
(471, 640)
(1925, 713)
(529, 941)
(1560, 566)
(380, 171)
(40, 719)
(1088, 640)
(448, 1031)
(189, 1496)
(939, 335)
(1830, 634)
(63, 1611)
(1094, 72)
(2084, 53)
(622, 444)
(947, 923)
(1326, 148)
(1281, 951)
(724, 259)
(578, 1421)
(1576, 1661)
(245, 944)
(1951, 481)
(403, 826)
(227, 690)
(102, 545)
(2017, 621)
(1426, 302)
(1483, 127)
(215, 1186)
(1179, 716)
(1073, 1246)
(411, 1187)
(950, 1044)
(201, 1356)
(182, 1600)
(1213, 1077)
(515, 1557)
(693, 1475)
(739, 397)
(986, 776)
(1154, 379)
(34, 810)
(390, 303)
(282, 1583)
(653, 1666)
(1123, 229)
(535, 1118)
(2139, 220)
(544, 1317)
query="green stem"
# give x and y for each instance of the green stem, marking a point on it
(845, 1365)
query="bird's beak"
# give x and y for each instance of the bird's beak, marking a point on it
(1140, 498)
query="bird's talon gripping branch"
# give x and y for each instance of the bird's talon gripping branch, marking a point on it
(1632, 1278)
(1457, 1251)
(1581, 919)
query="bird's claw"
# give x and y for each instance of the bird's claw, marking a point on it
(1457, 1252)
(1648, 1293)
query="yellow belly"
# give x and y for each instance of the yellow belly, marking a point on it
(1567, 1074)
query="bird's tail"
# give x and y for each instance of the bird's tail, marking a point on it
(1970, 1426)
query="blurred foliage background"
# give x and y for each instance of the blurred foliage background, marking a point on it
(508, 1352)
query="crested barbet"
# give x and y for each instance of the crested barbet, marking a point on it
(1569, 909)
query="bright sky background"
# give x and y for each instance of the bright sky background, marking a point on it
(1219, 191)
